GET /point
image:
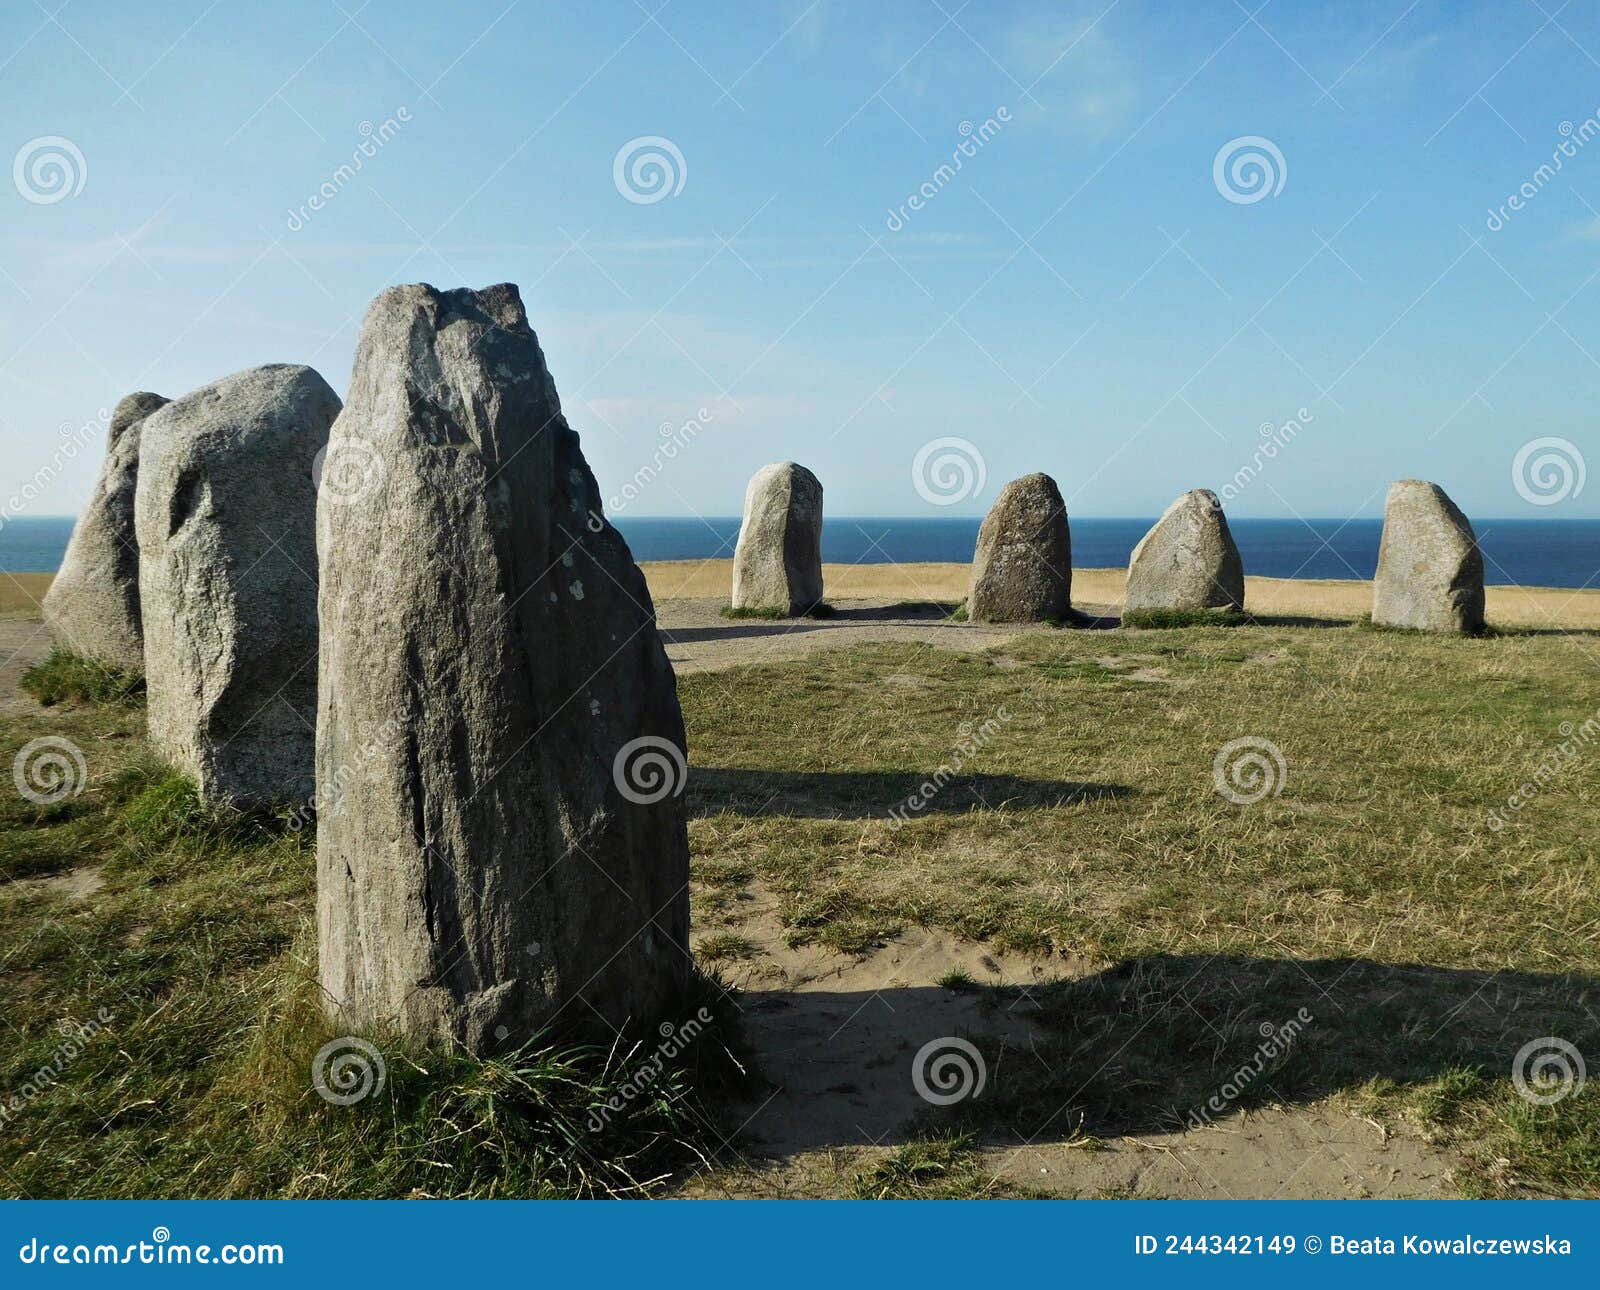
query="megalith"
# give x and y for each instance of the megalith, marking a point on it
(92, 607)
(502, 843)
(225, 511)
(777, 563)
(1188, 561)
(1430, 571)
(1022, 569)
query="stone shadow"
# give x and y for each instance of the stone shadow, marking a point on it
(861, 795)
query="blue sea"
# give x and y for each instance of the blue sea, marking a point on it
(1531, 553)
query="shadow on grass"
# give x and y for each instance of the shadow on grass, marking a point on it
(860, 795)
(1160, 1043)
(741, 627)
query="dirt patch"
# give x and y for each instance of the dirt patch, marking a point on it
(23, 642)
(75, 884)
(838, 1038)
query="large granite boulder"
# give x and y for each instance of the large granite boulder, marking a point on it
(501, 842)
(225, 511)
(1188, 561)
(777, 564)
(1430, 571)
(1022, 570)
(92, 607)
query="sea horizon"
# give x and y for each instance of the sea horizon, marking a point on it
(1561, 553)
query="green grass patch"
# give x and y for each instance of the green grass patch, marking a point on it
(770, 613)
(65, 677)
(722, 947)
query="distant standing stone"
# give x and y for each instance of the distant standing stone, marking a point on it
(502, 843)
(1430, 571)
(777, 563)
(1187, 561)
(92, 607)
(225, 511)
(1022, 570)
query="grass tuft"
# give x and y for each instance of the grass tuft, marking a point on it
(65, 677)
(772, 613)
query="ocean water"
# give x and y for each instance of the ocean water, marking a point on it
(1531, 553)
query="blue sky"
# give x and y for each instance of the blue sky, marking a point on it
(1081, 297)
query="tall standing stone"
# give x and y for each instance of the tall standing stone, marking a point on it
(1188, 561)
(777, 564)
(1430, 571)
(1022, 569)
(92, 607)
(501, 843)
(225, 511)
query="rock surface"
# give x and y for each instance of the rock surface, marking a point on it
(1187, 561)
(92, 607)
(501, 841)
(1022, 570)
(777, 563)
(1430, 571)
(225, 512)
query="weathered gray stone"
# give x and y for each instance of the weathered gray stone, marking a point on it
(777, 563)
(1187, 561)
(1430, 571)
(226, 517)
(92, 607)
(501, 843)
(1022, 569)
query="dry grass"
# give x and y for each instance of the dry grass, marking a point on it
(1371, 889)
(1083, 824)
(21, 593)
(1264, 597)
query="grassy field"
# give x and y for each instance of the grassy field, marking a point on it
(1056, 797)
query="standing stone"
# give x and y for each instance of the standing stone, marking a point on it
(1430, 571)
(501, 843)
(1022, 570)
(92, 607)
(225, 511)
(1188, 561)
(778, 561)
